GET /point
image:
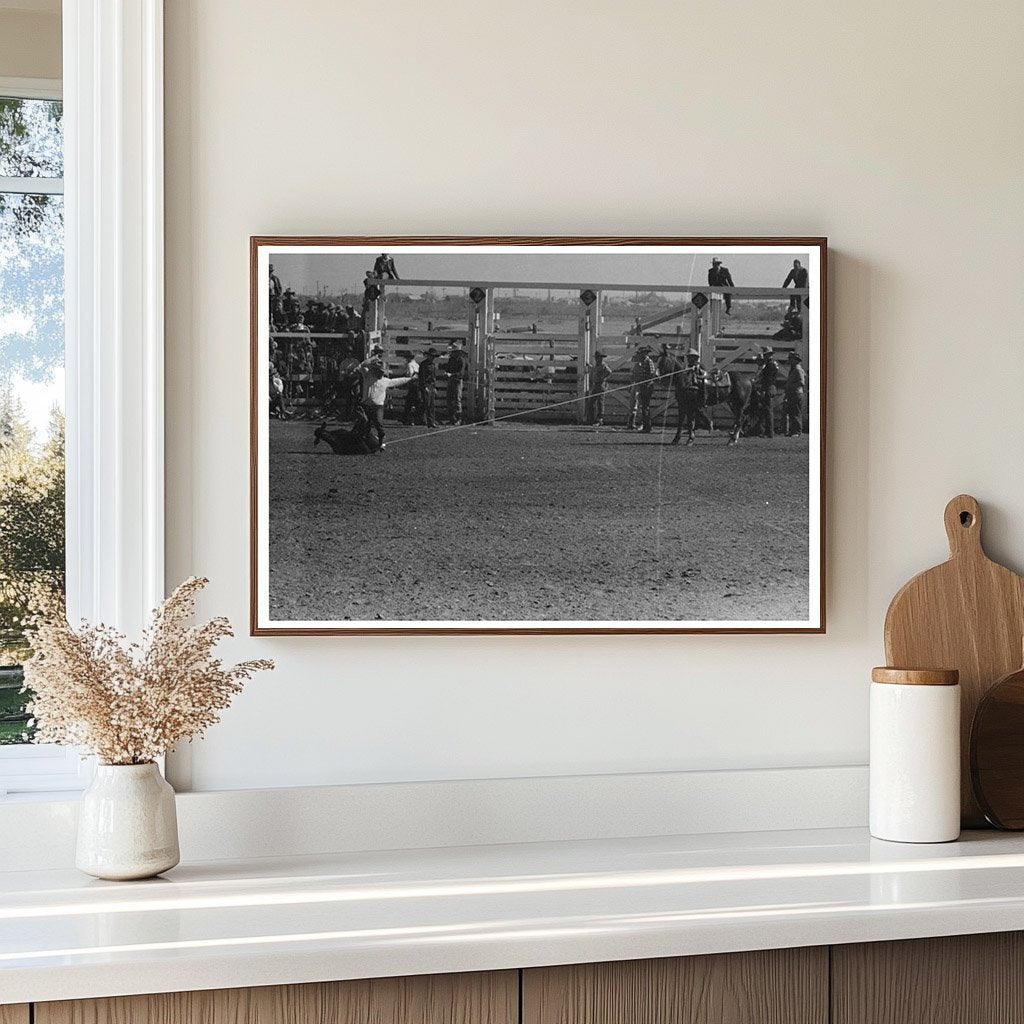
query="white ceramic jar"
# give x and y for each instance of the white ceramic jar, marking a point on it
(127, 823)
(915, 755)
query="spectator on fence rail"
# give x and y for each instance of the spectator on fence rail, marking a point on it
(426, 379)
(355, 321)
(299, 325)
(377, 393)
(793, 401)
(766, 386)
(384, 267)
(798, 278)
(455, 369)
(719, 275)
(290, 305)
(598, 383)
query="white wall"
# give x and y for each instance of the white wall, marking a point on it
(895, 129)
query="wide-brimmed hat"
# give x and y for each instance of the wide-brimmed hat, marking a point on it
(716, 260)
(794, 357)
(769, 351)
(692, 352)
(599, 355)
(644, 348)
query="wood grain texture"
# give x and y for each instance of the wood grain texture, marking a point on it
(967, 614)
(997, 752)
(778, 986)
(915, 676)
(14, 1014)
(483, 998)
(962, 979)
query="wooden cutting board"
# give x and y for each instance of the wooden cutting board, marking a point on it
(967, 614)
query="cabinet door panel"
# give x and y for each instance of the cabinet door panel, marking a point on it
(961, 979)
(490, 998)
(779, 986)
(14, 1014)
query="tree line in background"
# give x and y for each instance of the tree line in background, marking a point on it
(32, 548)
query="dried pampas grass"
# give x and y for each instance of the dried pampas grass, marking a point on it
(130, 703)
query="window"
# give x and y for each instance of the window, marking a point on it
(32, 531)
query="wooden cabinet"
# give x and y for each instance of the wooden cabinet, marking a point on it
(968, 979)
(962, 979)
(779, 986)
(491, 998)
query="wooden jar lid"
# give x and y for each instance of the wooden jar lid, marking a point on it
(916, 676)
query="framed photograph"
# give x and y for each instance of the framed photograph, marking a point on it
(537, 435)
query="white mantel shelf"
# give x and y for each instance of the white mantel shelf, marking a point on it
(227, 924)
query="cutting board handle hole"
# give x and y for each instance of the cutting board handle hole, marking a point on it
(966, 519)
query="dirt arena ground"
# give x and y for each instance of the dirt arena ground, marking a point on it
(533, 522)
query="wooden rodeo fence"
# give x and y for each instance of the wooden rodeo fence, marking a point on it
(546, 375)
(540, 375)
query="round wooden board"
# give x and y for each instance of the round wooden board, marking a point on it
(997, 752)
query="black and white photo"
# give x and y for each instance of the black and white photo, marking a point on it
(550, 435)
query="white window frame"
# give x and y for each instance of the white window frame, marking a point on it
(114, 323)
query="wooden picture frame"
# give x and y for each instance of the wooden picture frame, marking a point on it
(320, 543)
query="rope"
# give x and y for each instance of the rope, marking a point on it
(531, 411)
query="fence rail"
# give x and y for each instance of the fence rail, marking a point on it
(527, 371)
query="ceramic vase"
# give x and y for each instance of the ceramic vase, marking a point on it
(915, 755)
(127, 825)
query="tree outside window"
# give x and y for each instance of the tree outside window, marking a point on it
(32, 541)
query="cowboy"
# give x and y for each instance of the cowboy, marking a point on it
(695, 378)
(425, 381)
(765, 385)
(798, 277)
(377, 393)
(455, 369)
(636, 381)
(694, 395)
(365, 369)
(595, 396)
(754, 405)
(357, 441)
(644, 373)
(793, 401)
(413, 407)
(384, 267)
(719, 275)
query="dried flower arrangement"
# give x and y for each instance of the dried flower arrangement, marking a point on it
(130, 703)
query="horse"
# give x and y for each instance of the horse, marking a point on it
(722, 388)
